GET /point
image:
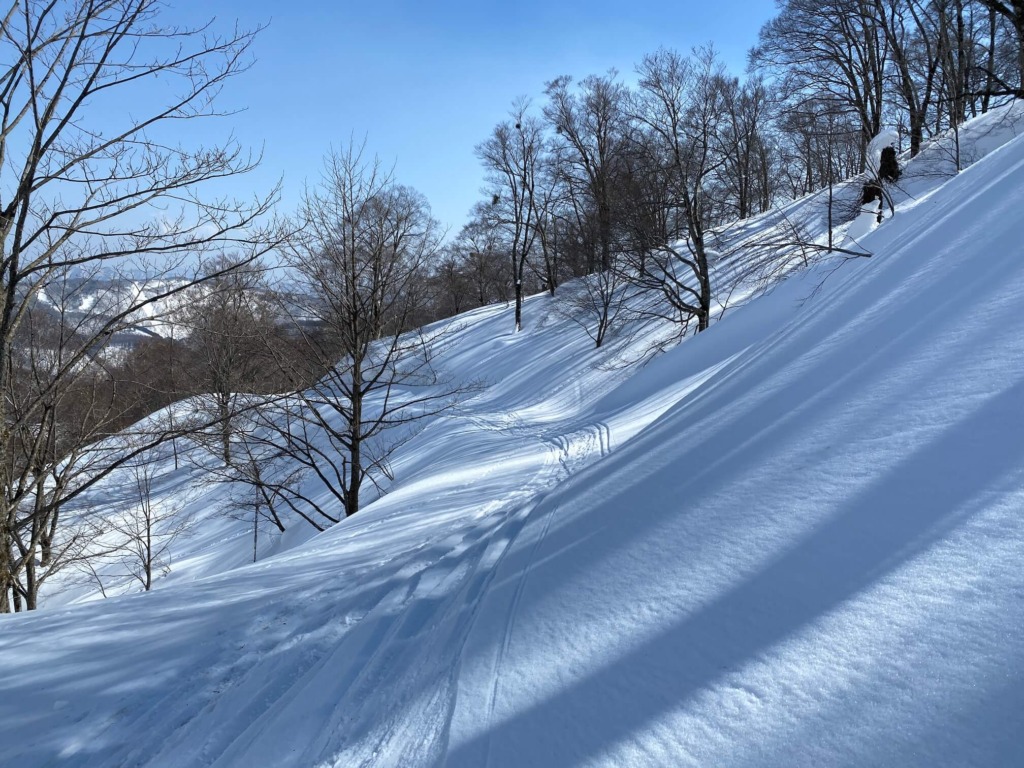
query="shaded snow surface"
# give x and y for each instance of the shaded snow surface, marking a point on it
(793, 540)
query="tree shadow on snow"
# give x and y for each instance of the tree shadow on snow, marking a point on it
(870, 535)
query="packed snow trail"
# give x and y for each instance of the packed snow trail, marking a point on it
(356, 641)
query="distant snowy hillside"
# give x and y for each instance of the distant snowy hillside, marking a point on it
(795, 539)
(96, 299)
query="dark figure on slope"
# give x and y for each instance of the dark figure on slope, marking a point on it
(888, 167)
(888, 172)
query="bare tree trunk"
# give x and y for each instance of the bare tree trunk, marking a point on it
(225, 428)
(990, 63)
(519, 304)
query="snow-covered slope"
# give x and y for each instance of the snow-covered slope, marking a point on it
(793, 540)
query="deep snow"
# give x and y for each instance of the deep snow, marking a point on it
(792, 540)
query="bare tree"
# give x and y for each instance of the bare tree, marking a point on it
(592, 127)
(747, 172)
(265, 481)
(597, 303)
(550, 222)
(88, 181)
(482, 254)
(819, 142)
(679, 105)
(148, 528)
(511, 157)
(1012, 12)
(231, 325)
(451, 286)
(836, 47)
(362, 258)
(909, 29)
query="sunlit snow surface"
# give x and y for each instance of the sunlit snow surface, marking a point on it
(793, 540)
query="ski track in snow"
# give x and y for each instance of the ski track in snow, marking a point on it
(394, 727)
(506, 636)
(384, 674)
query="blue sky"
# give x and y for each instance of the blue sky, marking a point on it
(425, 82)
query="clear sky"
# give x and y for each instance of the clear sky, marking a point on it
(426, 80)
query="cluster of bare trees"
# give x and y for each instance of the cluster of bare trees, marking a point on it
(306, 371)
(624, 183)
(104, 221)
(300, 382)
(844, 69)
(89, 187)
(637, 180)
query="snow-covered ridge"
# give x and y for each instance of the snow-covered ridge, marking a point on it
(94, 300)
(792, 540)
